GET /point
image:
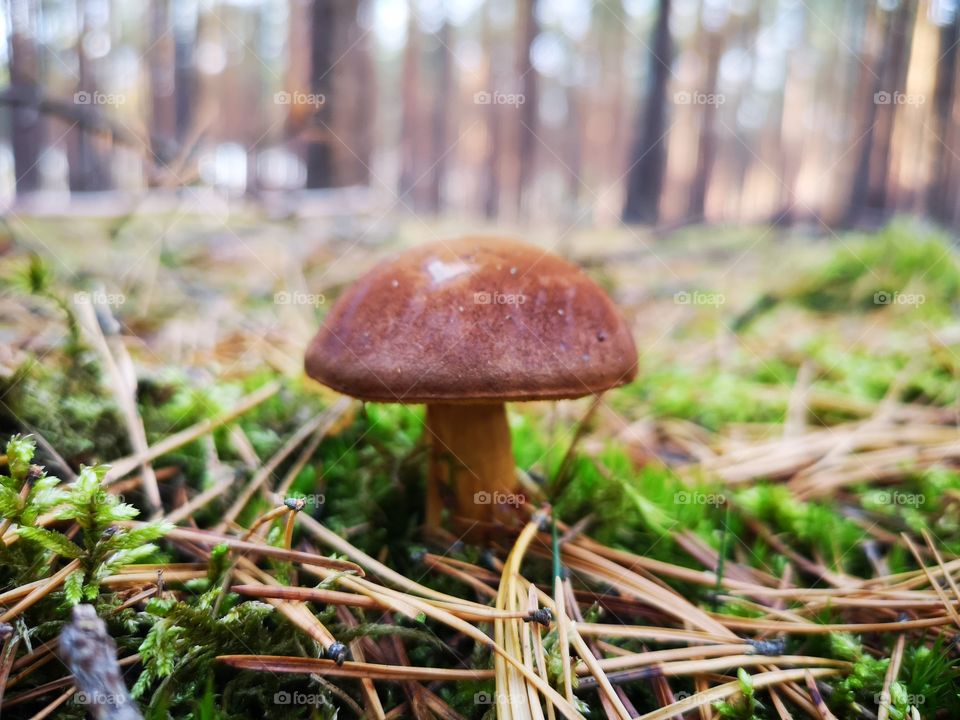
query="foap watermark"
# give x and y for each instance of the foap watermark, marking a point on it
(499, 498)
(698, 297)
(684, 698)
(299, 98)
(490, 698)
(888, 297)
(98, 297)
(902, 499)
(699, 498)
(98, 98)
(888, 699)
(103, 496)
(698, 98)
(299, 298)
(482, 97)
(306, 501)
(898, 98)
(282, 697)
(498, 298)
(99, 698)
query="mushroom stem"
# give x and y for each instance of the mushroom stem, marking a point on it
(472, 471)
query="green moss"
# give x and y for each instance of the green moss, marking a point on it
(811, 527)
(711, 396)
(909, 267)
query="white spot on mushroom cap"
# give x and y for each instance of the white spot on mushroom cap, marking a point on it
(441, 272)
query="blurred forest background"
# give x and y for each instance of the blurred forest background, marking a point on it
(583, 111)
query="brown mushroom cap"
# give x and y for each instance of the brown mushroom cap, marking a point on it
(472, 320)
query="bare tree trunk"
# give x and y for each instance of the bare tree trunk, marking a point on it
(649, 157)
(491, 189)
(321, 170)
(869, 90)
(409, 123)
(163, 82)
(573, 145)
(604, 103)
(353, 78)
(790, 142)
(26, 121)
(89, 156)
(443, 101)
(894, 81)
(527, 112)
(363, 121)
(707, 146)
(938, 195)
(185, 80)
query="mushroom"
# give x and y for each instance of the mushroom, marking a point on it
(465, 326)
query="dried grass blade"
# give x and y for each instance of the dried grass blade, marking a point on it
(714, 694)
(121, 466)
(209, 539)
(374, 671)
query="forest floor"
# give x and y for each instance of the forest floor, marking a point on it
(766, 523)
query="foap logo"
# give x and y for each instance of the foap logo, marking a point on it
(498, 298)
(306, 501)
(698, 498)
(299, 298)
(299, 98)
(698, 297)
(98, 698)
(888, 297)
(900, 698)
(489, 698)
(99, 297)
(698, 98)
(283, 697)
(499, 498)
(103, 496)
(483, 97)
(98, 98)
(898, 98)
(901, 499)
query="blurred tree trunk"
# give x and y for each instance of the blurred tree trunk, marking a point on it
(848, 86)
(527, 112)
(321, 170)
(790, 138)
(185, 75)
(712, 41)
(492, 159)
(573, 146)
(88, 153)
(883, 65)
(443, 104)
(26, 121)
(648, 160)
(864, 119)
(756, 144)
(353, 77)
(163, 82)
(409, 121)
(894, 80)
(602, 105)
(940, 201)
